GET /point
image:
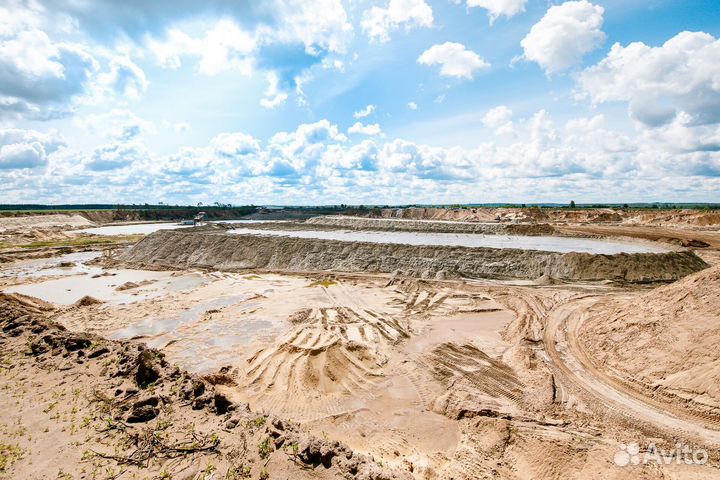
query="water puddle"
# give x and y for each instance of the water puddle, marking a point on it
(75, 277)
(64, 265)
(103, 285)
(203, 338)
(544, 243)
(169, 325)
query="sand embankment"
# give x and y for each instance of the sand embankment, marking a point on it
(23, 224)
(438, 226)
(220, 251)
(663, 343)
(678, 217)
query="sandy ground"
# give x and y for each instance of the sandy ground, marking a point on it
(424, 379)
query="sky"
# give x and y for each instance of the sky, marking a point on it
(317, 102)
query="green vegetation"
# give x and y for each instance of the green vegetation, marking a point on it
(323, 283)
(9, 454)
(264, 448)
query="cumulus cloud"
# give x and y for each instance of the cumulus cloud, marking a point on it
(274, 97)
(370, 129)
(367, 111)
(499, 119)
(565, 35)
(125, 78)
(660, 83)
(283, 37)
(116, 156)
(455, 60)
(378, 22)
(20, 149)
(223, 47)
(315, 163)
(412, 105)
(38, 76)
(497, 8)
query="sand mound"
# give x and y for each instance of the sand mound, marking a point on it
(31, 222)
(87, 301)
(332, 351)
(664, 342)
(219, 251)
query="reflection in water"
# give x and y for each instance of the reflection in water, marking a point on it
(473, 240)
(79, 279)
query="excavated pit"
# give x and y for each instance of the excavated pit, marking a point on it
(222, 251)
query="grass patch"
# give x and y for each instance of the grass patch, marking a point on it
(323, 283)
(9, 454)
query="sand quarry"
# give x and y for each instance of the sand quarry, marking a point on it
(413, 344)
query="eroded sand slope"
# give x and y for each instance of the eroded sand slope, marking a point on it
(220, 251)
(664, 342)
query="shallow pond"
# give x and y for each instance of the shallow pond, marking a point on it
(473, 240)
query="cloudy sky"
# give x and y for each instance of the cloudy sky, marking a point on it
(359, 102)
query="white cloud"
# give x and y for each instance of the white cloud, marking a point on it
(499, 119)
(20, 149)
(660, 83)
(39, 77)
(565, 35)
(274, 97)
(497, 8)
(235, 144)
(370, 129)
(315, 163)
(116, 156)
(223, 47)
(367, 111)
(412, 105)
(454, 58)
(378, 22)
(125, 78)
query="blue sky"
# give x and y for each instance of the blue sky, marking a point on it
(360, 102)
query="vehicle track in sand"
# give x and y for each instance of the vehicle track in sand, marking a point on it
(572, 364)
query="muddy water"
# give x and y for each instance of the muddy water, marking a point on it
(204, 338)
(70, 283)
(544, 243)
(42, 267)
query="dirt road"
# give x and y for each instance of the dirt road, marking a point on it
(576, 370)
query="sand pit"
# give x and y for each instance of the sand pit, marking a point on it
(315, 359)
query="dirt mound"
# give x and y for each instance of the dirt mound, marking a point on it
(406, 225)
(87, 301)
(128, 411)
(330, 352)
(664, 342)
(177, 249)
